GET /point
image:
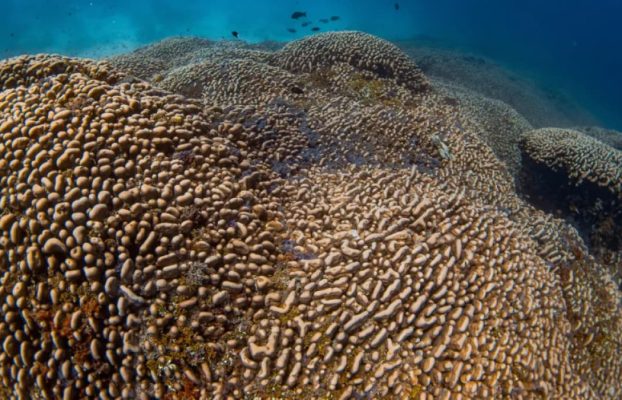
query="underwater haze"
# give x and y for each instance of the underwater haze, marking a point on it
(574, 46)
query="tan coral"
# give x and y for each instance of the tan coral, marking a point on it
(581, 157)
(360, 50)
(401, 308)
(358, 238)
(117, 212)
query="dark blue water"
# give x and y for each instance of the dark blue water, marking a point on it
(574, 45)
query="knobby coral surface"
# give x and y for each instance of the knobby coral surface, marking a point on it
(581, 157)
(317, 221)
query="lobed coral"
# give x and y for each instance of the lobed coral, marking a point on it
(358, 239)
(357, 49)
(581, 157)
(608, 136)
(109, 237)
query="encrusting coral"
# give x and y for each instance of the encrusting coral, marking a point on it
(335, 227)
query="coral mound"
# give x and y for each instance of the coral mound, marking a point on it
(25, 70)
(581, 157)
(607, 136)
(358, 49)
(293, 232)
(578, 176)
(403, 284)
(111, 194)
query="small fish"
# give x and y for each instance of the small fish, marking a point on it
(306, 23)
(291, 30)
(315, 29)
(297, 90)
(397, 6)
(235, 34)
(299, 14)
(324, 20)
(335, 18)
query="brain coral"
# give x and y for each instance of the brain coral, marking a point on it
(356, 240)
(114, 202)
(361, 50)
(396, 289)
(581, 157)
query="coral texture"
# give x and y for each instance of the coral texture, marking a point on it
(256, 222)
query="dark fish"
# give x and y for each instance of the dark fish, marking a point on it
(297, 90)
(291, 30)
(299, 14)
(335, 18)
(235, 34)
(315, 29)
(306, 23)
(324, 20)
(397, 6)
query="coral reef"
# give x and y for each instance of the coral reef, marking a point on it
(539, 106)
(607, 136)
(317, 220)
(498, 124)
(360, 50)
(580, 157)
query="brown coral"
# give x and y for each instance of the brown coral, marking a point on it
(581, 157)
(98, 250)
(360, 50)
(409, 290)
(359, 238)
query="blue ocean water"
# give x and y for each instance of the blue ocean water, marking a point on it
(573, 45)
